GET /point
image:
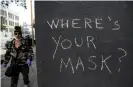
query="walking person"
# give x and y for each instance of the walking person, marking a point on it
(21, 55)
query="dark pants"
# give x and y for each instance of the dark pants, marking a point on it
(24, 69)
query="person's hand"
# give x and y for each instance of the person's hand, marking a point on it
(4, 65)
(28, 62)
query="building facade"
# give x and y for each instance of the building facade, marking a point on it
(9, 19)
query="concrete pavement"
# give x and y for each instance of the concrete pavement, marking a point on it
(2, 52)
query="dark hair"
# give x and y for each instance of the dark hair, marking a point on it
(17, 29)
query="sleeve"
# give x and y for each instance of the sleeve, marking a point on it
(7, 54)
(30, 52)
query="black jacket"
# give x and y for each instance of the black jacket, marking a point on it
(20, 55)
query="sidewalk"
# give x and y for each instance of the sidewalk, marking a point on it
(2, 52)
(2, 48)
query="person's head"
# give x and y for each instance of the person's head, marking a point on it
(17, 32)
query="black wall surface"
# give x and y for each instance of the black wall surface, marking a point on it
(95, 51)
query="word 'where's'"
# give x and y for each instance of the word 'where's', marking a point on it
(86, 23)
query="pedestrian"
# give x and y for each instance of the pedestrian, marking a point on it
(21, 54)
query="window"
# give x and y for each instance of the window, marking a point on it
(6, 22)
(12, 16)
(9, 15)
(16, 24)
(3, 20)
(5, 13)
(16, 17)
(11, 23)
(2, 12)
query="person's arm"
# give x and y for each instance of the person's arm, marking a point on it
(30, 54)
(7, 54)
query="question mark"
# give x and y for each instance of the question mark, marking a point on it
(122, 56)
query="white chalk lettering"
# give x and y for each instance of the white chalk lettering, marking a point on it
(57, 44)
(66, 64)
(80, 63)
(125, 54)
(97, 20)
(87, 22)
(53, 24)
(104, 62)
(78, 45)
(73, 23)
(109, 18)
(64, 24)
(118, 26)
(90, 40)
(66, 40)
(90, 60)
